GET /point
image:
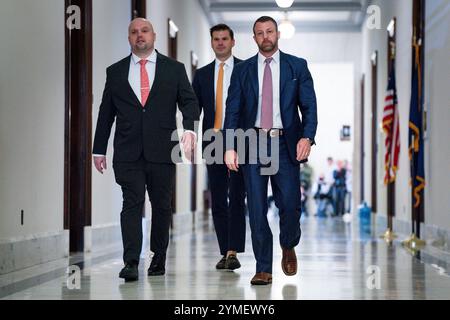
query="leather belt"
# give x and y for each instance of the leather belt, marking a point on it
(272, 132)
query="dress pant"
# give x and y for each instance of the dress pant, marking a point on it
(159, 180)
(228, 207)
(286, 191)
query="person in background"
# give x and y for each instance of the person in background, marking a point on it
(321, 192)
(340, 188)
(306, 173)
(348, 185)
(329, 178)
(227, 188)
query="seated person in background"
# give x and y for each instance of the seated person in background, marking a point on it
(321, 194)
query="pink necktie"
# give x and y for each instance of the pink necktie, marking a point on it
(267, 97)
(145, 83)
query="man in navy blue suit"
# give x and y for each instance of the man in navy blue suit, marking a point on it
(227, 188)
(265, 95)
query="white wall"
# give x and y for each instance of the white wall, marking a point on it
(110, 20)
(437, 100)
(31, 116)
(333, 84)
(193, 25)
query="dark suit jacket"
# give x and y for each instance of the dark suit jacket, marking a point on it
(296, 92)
(145, 130)
(203, 85)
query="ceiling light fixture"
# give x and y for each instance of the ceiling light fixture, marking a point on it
(287, 29)
(284, 3)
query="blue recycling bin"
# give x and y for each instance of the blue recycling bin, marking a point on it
(364, 218)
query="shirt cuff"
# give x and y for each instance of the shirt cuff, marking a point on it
(98, 155)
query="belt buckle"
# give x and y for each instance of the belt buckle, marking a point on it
(274, 133)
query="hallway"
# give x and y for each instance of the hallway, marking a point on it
(380, 72)
(334, 258)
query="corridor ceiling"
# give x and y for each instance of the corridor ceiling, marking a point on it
(306, 15)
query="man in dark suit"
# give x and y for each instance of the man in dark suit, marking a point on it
(265, 94)
(141, 93)
(227, 188)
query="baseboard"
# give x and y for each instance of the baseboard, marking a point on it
(106, 236)
(23, 252)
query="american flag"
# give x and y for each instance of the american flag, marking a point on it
(391, 129)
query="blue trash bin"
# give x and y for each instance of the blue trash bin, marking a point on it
(364, 217)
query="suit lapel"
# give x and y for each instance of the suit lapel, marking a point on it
(253, 65)
(285, 72)
(210, 87)
(159, 75)
(124, 73)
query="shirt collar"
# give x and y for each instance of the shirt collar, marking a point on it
(275, 57)
(151, 57)
(228, 63)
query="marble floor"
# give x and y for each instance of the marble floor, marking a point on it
(336, 261)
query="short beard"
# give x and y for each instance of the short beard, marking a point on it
(267, 48)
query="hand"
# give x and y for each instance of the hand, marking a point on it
(100, 163)
(232, 160)
(189, 143)
(303, 149)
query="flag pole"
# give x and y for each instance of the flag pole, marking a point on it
(389, 234)
(413, 242)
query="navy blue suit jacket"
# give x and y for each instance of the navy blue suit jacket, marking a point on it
(203, 85)
(296, 93)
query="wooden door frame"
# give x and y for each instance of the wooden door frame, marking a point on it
(138, 9)
(362, 153)
(374, 143)
(194, 65)
(172, 53)
(78, 125)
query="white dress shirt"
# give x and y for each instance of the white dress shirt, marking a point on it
(134, 76)
(227, 70)
(275, 67)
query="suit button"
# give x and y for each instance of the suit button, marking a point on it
(143, 110)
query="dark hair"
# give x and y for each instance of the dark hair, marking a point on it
(265, 19)
(221, 27)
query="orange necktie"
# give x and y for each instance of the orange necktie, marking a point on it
(219, 99)
(145, 83)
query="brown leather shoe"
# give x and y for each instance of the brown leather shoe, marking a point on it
(261, 279)
(289, 262)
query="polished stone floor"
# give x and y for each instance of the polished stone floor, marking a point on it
(336, 261)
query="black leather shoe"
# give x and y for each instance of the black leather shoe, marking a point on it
(232, 262)
(221, 264)
(129, 272)
(158, 265)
